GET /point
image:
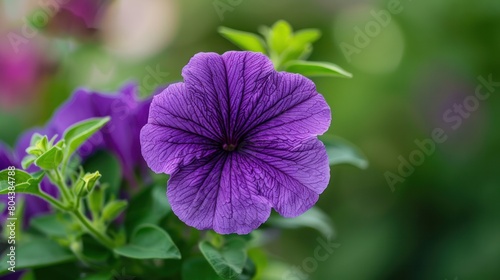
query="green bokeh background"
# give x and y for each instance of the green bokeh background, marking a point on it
(443, 221)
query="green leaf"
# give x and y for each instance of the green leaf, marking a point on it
(198, 268)
(14, 176)
(36, 252)
(50, 159)
(341, 151)
(23, 181)
(113, 209)
(315, 69)
(244, 40)
(300, 47)
(227, 262)
(35, 138)
(306, 36)
(279, 36)
(149, 242)
(313, 218)
(52, 225)
(148, 207)
(78, 133)
(96, 199)
(28, 161)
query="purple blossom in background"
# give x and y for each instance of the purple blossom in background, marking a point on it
(77, 17)
(238, 139)
(120, 136)
(21, 73)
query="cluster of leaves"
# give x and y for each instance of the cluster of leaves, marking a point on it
(100, 231)
(287, 49)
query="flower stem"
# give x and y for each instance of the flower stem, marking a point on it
(64, 188)
(53, 201)
(99, 236)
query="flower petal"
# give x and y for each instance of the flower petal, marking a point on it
(292, 173)
(175, 134)
(218, 192)
(290, 106)
(228, 86)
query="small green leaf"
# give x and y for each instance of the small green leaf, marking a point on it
(306, 36)
(280, 36)
(313, 218)
(28, 161)
(50, 159)
(113, 209)
(23, 182)
(244, 40)
(13, 175)
(96, 199)
(198, 268)
(149, 242)
(36, 252)
(341, 151)
(78, 133)
(35, 138)
(227, 262)
(52, 225)
(312, 69)
(300, 47)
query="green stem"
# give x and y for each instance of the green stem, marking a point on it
(63, 184)
(99, 236)
(58, 180)
(53, 201)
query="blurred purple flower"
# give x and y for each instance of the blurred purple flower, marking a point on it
(238, 138)
(120, 136)
(21, 72)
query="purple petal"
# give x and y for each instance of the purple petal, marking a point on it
(219, 192)
(292, 173)
(176, 133)
(291, 107)
(229, 87)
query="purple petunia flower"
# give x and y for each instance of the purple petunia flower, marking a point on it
(238, 139)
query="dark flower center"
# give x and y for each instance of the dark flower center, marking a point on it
(229, 147)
